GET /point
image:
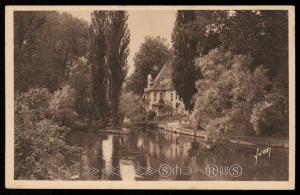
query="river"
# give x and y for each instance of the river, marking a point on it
(152, 154)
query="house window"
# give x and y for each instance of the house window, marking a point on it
(154, 99)
(171, 97)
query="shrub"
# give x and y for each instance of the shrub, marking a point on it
(80, 80)
(151, 115)
(37, 136)
(33, 105)
(270, 115)
(62, 106)
(138, 117)
(131, 105)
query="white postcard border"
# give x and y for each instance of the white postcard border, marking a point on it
(9, 112)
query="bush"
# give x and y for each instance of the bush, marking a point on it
(33, 105)
(62, 106)
(80, 80)
(270, 116)
(151, 115)
(138, 117)
(131, 105)
(37, 136)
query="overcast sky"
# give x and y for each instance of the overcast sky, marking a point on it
(141, 24)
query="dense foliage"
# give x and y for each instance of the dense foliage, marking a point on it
(62, 106)
(152, 55)
(232, 99)
(185, 38)
(262, 35)
(131, 104)
(118, 44)
(46, 45)
(38, 135)
(47, 49)
(98, 48)
(80, 80)
(229, 67)
(108, 58)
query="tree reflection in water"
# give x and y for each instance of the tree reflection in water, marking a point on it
(130, 155)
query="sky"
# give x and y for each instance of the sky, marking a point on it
(142, 24)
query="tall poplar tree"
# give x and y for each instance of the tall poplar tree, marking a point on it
(194, 34)
(117, 53)
(98, 30)
(185, 39)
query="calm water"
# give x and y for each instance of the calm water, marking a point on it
(149, 154)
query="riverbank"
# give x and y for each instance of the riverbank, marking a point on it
(97, 126)
(244, 141)
(176, 127)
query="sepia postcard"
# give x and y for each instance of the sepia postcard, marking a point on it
(120, 97)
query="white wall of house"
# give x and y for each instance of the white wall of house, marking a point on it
(170, 97)
(160, 87)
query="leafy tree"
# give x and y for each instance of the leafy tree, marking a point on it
(232, 99)
(118, 51)
(261, 34)
(275, 43)
(210, 24)
(62, 106)
(74, 41)
(131, 104)
(152, 55)
(270, 115)
(80, 79)
(97, 59)
(186, 36)
(25, 40)
(45, 45)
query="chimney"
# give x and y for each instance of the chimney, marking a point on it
(149, 81)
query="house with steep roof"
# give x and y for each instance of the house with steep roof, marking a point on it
(160, 95)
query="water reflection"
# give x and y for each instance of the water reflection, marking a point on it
(151, 154)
